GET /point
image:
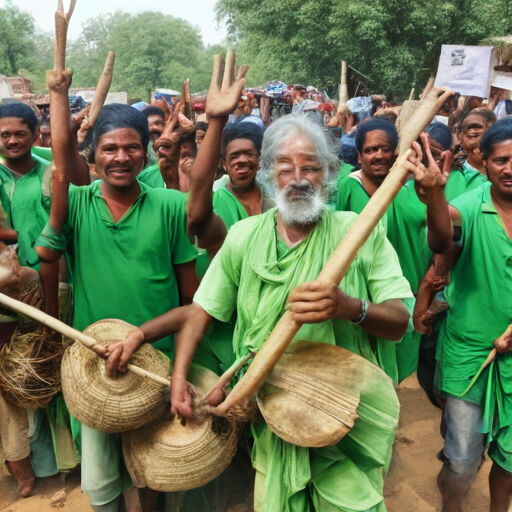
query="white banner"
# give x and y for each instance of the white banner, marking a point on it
(465, 69)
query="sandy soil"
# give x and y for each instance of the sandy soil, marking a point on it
(410, 486)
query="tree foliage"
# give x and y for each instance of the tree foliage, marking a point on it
(152, 51)
(396, 43)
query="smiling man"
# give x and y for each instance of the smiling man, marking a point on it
(405, 223)
(132, 260)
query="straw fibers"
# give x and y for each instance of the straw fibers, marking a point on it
(313, 396)
(30, 366)
(174, 457)
(125, 402)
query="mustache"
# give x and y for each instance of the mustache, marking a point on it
(305, 188)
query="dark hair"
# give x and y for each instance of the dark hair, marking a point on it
(117, 115)
(486, 114)
(201, 125)
(374, 124)
(151, 110)
(388, 116)
(500, 131)
(440, 133)
(239, 130)
(20, 111)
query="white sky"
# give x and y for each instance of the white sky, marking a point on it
(198, 12)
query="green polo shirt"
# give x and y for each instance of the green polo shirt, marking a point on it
(26, 202)
(405, 223)
(462, 181)
(479, 295)
(124, 269)
(152, 177)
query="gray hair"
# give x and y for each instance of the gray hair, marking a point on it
(326, 146)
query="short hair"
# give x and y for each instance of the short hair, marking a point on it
(151, 110)
(440, 133)
(20, 111)
(115, 116)
(500, 131)
(201, 125)
(326, 147)
(238, 130)
(487, 115)
(374, 124)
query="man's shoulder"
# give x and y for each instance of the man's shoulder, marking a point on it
(471, 200)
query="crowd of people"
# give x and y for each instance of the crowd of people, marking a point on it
(202, 222)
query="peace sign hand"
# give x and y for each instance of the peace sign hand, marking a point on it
(224, 93)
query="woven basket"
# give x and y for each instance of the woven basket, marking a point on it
(171, 457)
(125, 402)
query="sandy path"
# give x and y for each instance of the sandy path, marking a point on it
(410, 486)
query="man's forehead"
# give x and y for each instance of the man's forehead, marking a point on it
(121, 134)
(10, 122)
(475, 120)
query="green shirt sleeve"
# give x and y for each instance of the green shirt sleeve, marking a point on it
(218, 291)
(385, 278)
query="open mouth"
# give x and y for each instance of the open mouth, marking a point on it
(119, 173)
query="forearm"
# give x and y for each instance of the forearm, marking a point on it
(199, 204)
(77, 170)
(49, 275)
(189, 337)
(439, 223)
(387, 320)
(165, 325)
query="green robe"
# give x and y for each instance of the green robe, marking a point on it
(253, 273)
(26, 202)
(480, 311)
(406, 226)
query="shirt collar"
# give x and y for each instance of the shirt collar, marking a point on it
(487, 204)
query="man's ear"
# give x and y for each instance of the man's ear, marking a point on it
(359, 159)
(36, 135)
(224, 164)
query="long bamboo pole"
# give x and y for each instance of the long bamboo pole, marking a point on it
(87, 341)
(335, 269)
(343, 84)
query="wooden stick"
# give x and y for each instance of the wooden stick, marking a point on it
(61, 30)
(428, 87)
(411, 96)
(87, 341)
(335, 269)
(102, 88)
(343, 84)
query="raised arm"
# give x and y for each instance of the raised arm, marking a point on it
(223, 97)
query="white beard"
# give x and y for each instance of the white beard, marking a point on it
(302, 211)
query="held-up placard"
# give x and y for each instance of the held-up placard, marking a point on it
(465, 69)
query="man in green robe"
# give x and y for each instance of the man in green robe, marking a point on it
(261, 261)
(479, 401)
(132, 260)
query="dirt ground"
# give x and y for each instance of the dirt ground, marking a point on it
(410, 486)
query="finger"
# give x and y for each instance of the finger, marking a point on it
(309, 318)
(229, 69)
(417, 149)
(216, 75)
(426, 144)
(311, 296)
(242, 72)
(448, 163)
(310, 306)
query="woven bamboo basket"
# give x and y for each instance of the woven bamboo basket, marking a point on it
(173, 457)
(125, 402)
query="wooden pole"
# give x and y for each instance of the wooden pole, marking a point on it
(411, 96)
(343, 84)
(87, 341)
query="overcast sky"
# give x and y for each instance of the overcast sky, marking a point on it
(198, 12)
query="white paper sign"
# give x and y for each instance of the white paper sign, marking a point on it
(465, 69)
(502, 80)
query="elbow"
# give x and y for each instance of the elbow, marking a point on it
(440, 245)
(401, 324)
(46, 255)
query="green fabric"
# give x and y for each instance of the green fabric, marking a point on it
(152, 159)
(405, 223)
(462, 181)
(125, 270)
(228, 207)
(248, 275)
(26, 202)
(479, 311)
(152, 177)
(44, 153)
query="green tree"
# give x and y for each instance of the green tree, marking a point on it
(396, 43)
(17, 45)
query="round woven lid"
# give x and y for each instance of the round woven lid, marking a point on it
(312, 396)
(123, 403)
(171, 457)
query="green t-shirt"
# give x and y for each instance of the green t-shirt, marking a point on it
(26, 201)
(405, 223)
(152, 177)
(479, 296)
(462, 181)
(228, 207)
(125, 270)
(44, 153)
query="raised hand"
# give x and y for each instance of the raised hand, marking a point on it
(225, 92)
